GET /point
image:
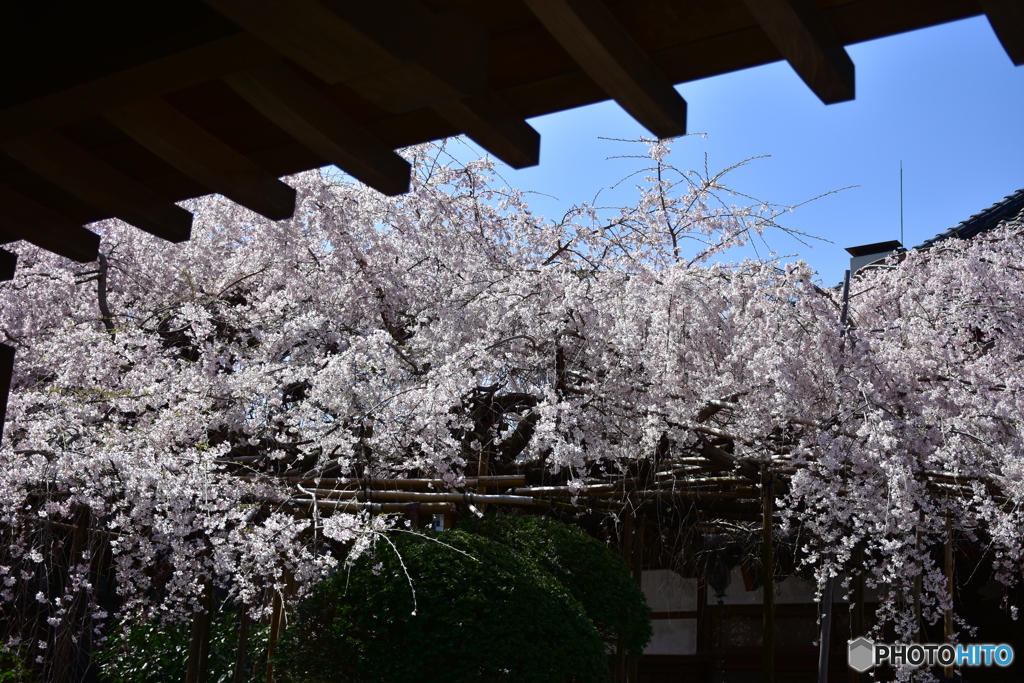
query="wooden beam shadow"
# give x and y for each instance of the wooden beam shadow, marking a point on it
(202, 156)
(802, 34)
(610, 57)
(306, 115)
(22, 218)
(62, 162)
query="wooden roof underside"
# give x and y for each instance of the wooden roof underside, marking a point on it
(120, 108)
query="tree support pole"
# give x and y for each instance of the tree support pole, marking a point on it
(68, 662)
(243, 647)
(768, 570)
(917, 593)
(633, 662)
(948, 617)
(199, 639)
(857, 618)
(621, 657)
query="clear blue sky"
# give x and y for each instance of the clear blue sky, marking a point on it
(946, 101)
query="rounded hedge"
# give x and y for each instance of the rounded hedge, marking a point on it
(598, 578)
(490, 605)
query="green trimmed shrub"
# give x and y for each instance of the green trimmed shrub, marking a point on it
(481, 612)
(598, 578)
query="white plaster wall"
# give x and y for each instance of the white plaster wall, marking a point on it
(673, 637)
(666, 591)
(792, 590)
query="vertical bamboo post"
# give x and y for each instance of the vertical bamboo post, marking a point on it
(825, 641)
(483, 468)
(768, 583)
(199, 639)
(857, 618)
(703, 620)
(948, 617)
(243, 646)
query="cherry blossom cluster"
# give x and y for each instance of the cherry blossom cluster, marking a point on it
(163, 395)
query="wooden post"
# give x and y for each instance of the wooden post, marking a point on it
(948, 671)
(199, 639)
(768, 584)
(826, 631)
(243, 646)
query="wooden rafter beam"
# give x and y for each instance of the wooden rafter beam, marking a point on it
(22, 218)
(1007, 19)
(494, 125)
(802, 34)
(151, 79)
(202, 156)
(302, 112)
(397, 53)
(8, 262)
(60, 161)
(610, 57)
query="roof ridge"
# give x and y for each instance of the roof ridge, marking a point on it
(986, 219)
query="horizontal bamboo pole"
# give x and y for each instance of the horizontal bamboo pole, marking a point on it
(618, 487)
(393, 483)
(340, 506)
(416, 497)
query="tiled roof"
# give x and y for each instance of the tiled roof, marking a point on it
(1011, 208)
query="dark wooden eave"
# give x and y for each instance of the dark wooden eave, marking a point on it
(121, 108)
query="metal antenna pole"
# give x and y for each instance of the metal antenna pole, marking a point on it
(902, 241)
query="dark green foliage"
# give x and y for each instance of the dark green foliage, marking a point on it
(157, 652)
(598, 578)
(12, 667)
(483, 612)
